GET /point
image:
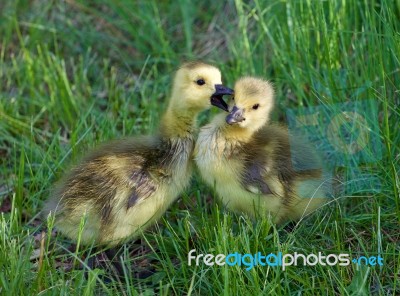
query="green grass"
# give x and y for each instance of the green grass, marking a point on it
(74, 73)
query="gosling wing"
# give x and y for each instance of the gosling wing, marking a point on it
(143, 165)
(271, 165)
(126, 166)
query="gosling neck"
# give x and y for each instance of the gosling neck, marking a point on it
(178, 123)
(233, 133)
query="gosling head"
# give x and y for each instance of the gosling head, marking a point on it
(197, 86)
(251, 105)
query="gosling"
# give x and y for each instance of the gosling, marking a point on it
(250, 161)
(124, 186)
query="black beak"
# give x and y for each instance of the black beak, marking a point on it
(216, 98)
(235, 116)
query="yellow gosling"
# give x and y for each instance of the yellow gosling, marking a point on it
(124, 186)
(249, 161)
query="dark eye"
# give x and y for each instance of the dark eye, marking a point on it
(200, 82)
(255, 107)
(233, 98)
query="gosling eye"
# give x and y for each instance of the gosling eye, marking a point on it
(233, 98)
(255, 107)
(200, 82)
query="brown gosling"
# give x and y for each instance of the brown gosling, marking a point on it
(249, 161)
(124, 186)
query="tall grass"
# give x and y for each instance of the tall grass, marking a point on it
(74, 73)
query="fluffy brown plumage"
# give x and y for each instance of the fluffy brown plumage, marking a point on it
(251, 162)
(124, 186)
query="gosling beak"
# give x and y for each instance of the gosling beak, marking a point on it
(216, 98)
(235, 116)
